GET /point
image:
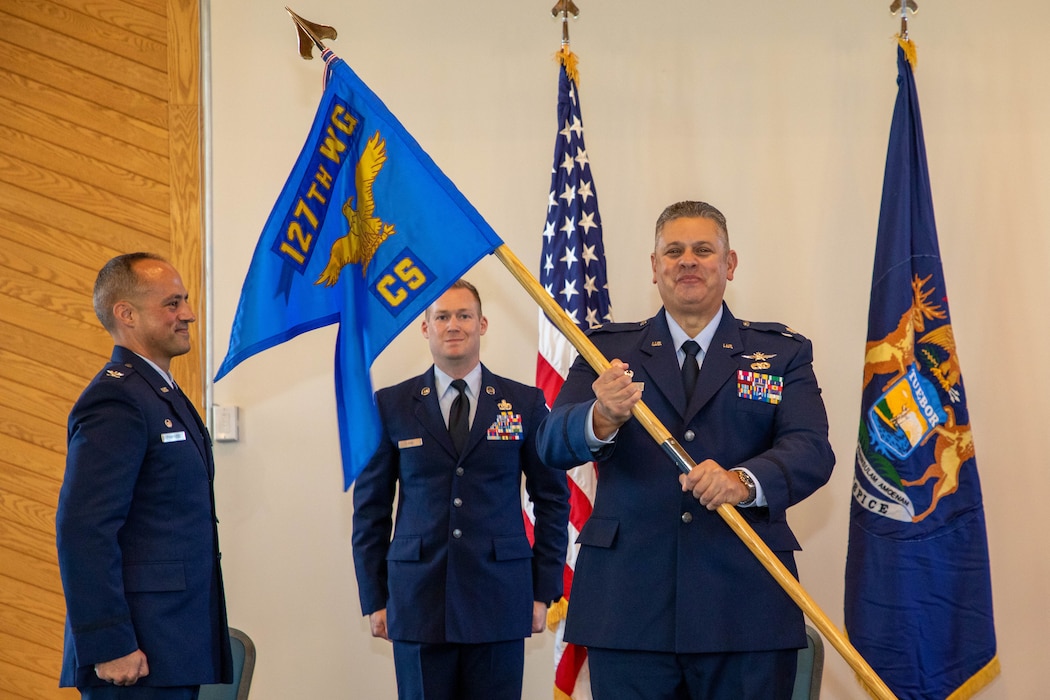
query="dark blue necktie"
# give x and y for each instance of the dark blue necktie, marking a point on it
(459, 416)
(690, 367)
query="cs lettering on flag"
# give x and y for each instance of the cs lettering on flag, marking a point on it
(402, 281)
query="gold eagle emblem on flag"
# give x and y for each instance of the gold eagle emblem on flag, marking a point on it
(366, 231)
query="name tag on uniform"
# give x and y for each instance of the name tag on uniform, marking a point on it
(414, 442)
(173, 437)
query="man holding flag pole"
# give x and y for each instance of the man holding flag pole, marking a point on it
(667, 600)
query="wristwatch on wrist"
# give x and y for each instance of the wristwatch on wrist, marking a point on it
(747, 481)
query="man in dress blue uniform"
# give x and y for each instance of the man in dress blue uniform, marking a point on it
(458, 587)
(136, 529)
(669, 602)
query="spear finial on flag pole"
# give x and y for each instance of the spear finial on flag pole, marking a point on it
(902, 7)
(565, 8)
(565, 56)
(311, 34)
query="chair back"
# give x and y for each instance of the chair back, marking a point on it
(243, 666)
(810, 667)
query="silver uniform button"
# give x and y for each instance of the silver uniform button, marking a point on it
(687, 517)
(457, 533)
(689, 435)
(459, 471)
(457, 502)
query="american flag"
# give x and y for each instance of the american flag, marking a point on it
(572, 270)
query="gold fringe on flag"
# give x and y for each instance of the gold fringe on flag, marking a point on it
(556, 613)
(977, 681)
(568, 59)
(909, 51)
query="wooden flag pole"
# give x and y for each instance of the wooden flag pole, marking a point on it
(310, 35)
(685, 463)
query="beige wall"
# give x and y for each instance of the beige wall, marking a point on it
(776, 112)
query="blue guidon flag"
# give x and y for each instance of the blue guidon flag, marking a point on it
(918, 603)
(366, 233)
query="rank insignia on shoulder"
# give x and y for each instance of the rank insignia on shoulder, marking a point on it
(116, 374)
(767, 388)
(504, 405)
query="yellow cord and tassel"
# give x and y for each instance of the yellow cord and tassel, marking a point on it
(556, 613)
(909, 51)
(568, 59)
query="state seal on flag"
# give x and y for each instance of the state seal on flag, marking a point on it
(902, 418)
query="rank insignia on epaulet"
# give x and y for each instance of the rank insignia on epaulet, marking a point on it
(116, 374)
(772, 327)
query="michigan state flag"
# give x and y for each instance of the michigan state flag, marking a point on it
(918, 603)
(366, 233)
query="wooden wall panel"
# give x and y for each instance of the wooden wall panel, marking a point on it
(100, 154)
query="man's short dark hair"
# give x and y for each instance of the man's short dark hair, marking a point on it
(118, 280)
(693, 210)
